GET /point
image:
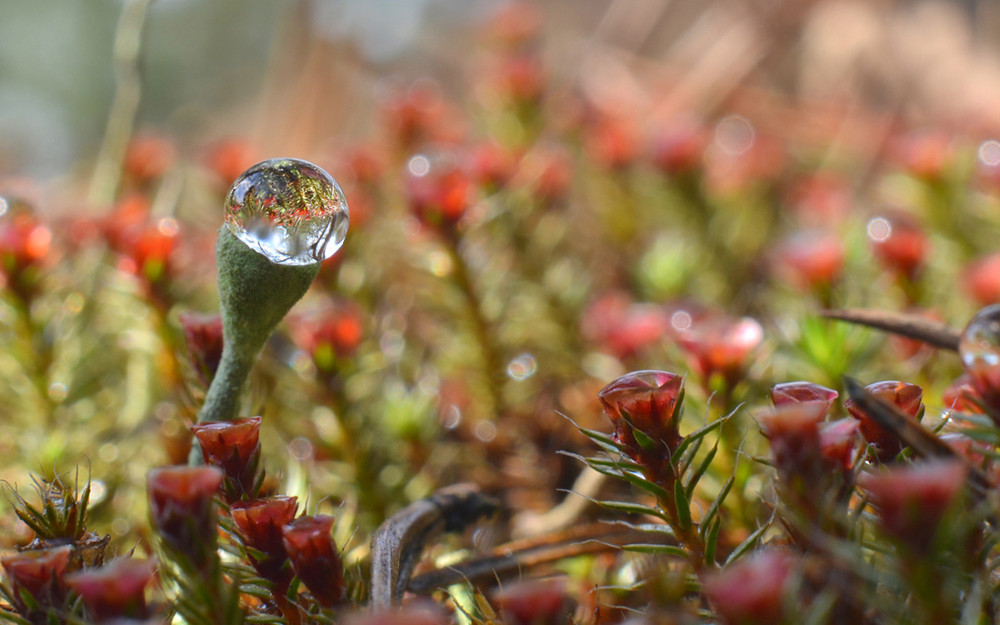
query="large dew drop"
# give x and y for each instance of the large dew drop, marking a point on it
(289, 210)
(979, 348)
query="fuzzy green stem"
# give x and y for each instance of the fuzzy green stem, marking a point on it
(255, 294)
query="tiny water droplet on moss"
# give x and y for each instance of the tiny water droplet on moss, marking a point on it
(289, 210)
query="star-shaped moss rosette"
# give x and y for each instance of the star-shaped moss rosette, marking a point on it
(283, 218)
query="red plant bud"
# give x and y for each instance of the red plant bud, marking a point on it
(546, 172)
(679, 149)
(913, 499)
(961, 396)
(519, 79)
(439, 190)
(793, 430)
(182, 509)
(981, 280)
(259, 522)
(819, 199)
(40, 575)
(646, 401)
(751, 590)
(148, 157)
(810, 260)
(115, 590)
(923, 154)
(798, 392)
(532, 602)
(979, 348)
(234, 447)
(839, 440)
(314, 557)
(203, 335)
(720, 345)
(905, 396)
(899, 243)
(413, 115)
(513, 24)
(24, 244)
(229, 158)
(611, 142)
(329, 333)
(492, 166)
(623, 327)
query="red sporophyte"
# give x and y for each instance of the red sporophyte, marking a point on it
(793, 431)
(720, 346)
(622, 327)
(203, 336)
(260, 523)
(517, 78)
(819, 199)
(412, 115)
(25, 242)
(913, 499)
(149, 156)
(899, 243)
(981, 279)
(810, 260)
(329, 333)
(546, 173)
(611, 142)
(115, 590)
(839, 441)
(228, 158)
(961, 396)
(513, 24)
(182, 510)
(39, 575)
(644, 408)
(923, 154)
(751, 591)
(314, 557)
(905, 396)
(234, 447)
(798, 392)
(679, 149)
(439, 190)
(532, 602)
(979, 348)
(492, 165)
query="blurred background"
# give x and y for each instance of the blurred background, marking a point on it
(294, 76)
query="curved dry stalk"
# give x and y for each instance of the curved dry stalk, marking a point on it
(911, 326)
(399, 542)
(518, 556)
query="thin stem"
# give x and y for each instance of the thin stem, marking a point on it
(492, 361)
(121, 118)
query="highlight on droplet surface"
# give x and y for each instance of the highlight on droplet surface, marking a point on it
(289, 210)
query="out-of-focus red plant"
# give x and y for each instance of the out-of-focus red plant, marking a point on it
(905, 396)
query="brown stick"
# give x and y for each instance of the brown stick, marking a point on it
(525, 554)
(911, 326)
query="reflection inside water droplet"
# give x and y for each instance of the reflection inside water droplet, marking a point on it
(289, 210)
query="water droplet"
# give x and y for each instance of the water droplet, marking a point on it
(289, 210)
(979, 348)
(522, 367)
